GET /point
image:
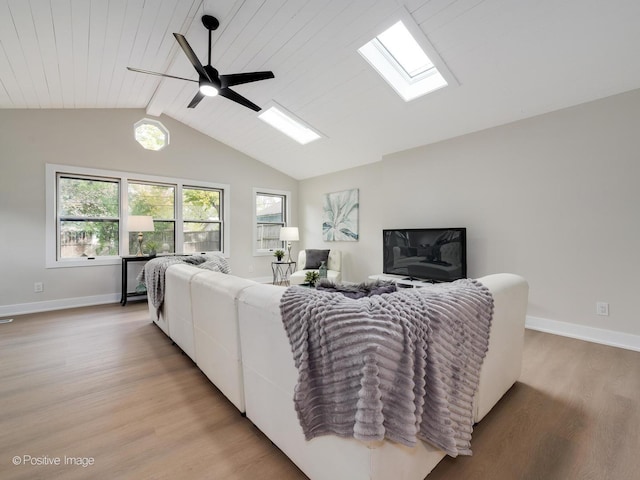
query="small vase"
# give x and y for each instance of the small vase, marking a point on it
(322, 271)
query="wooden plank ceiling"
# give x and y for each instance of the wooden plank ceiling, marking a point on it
(512, 60)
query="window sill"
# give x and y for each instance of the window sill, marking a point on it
(84, 262)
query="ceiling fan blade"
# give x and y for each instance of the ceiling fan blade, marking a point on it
(196, 100)
(236, 97)
(160, 74)
(191, 55)
(240, 78)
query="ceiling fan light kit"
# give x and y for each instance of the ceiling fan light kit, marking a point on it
(208, 90)
(210, 82)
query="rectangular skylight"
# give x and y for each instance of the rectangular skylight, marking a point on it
(290, 126)
(399, 43)
(402, 62)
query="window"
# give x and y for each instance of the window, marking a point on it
(399, 55)
(151, 134)
(286, 122)
(202, 222)
(159, 202)
(88, 217)
(271, 214)
(87, 211)
(398, 45)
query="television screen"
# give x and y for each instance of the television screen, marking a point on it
(435, 254)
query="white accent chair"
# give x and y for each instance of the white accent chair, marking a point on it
(334, 267)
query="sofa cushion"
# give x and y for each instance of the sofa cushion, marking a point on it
(315, 258)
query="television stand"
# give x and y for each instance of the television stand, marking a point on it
(421, 280)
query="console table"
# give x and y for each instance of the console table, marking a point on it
(282, 271)
(125, 270)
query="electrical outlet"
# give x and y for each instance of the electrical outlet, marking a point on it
(38, 287)
(602, 308)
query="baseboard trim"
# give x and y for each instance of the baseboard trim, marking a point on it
(565, 329)
(581, 332)
(48, 305)
(61, 304)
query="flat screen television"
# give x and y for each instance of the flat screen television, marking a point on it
(432, 254)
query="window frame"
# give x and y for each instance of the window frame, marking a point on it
(287, 215)
(154, 123)
(52, 220)
(137, 181)
(221, 211)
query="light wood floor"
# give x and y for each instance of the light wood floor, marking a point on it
(104, 383)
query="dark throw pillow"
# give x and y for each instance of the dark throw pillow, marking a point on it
(315, 258)
(360, 290)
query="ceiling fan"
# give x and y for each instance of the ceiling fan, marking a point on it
(211, 83)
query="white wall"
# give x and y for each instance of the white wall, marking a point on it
(554, 198)
(104, 139)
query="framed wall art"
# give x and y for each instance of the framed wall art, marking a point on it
(340, 216)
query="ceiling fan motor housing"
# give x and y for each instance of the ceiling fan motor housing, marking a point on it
(210, 23)
(213, 76)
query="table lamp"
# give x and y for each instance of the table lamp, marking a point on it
(140, 223)
(289, 234)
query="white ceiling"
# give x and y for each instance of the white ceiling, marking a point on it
(513, 59)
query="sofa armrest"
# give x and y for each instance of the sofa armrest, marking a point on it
(503, 362)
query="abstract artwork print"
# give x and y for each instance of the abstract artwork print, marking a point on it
(340, 216)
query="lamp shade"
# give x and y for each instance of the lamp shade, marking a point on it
(289, 234)
(140, 223)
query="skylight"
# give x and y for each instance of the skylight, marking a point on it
(287, 124)
(402, 62)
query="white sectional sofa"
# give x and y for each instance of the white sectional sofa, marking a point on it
(240, 343)
(200, 315)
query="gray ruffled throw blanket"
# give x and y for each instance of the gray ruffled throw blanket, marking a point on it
(153, 273)
(401, 366)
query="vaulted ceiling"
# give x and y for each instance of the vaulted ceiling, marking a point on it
(512, 59)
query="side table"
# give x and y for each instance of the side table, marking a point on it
(282, 271)
(125, 270)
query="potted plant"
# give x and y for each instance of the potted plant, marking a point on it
(152, 248)
(311, 277)
(279, 254)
